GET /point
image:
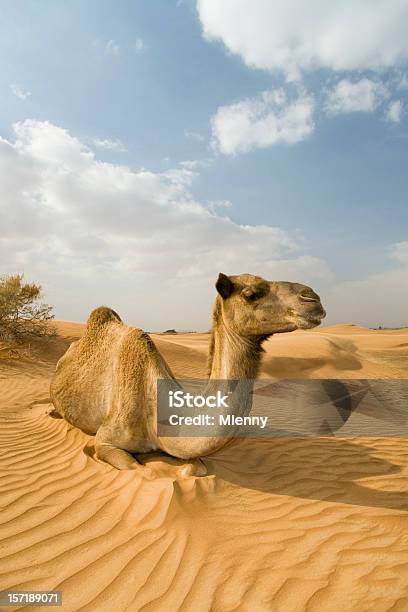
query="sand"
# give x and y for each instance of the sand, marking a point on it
(316, 524)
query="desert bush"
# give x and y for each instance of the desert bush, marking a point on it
(22, 313)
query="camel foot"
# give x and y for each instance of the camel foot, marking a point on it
(121, 460)
(194, 468)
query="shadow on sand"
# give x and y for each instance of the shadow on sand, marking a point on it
(313, 468)
(341, 355)
(309, 468)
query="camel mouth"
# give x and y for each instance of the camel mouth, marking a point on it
(308, 320)
(309, 323)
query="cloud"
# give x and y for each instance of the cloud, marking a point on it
(261, 122)
(216, 205)
(112, 48)
(111, 145)
(94, 232)
(138, 45)
(294, 36)
(19, 92)
(399, 252)
(394, 112)
(194, 136)
(364, 96)
(190, 164)
(402, 83)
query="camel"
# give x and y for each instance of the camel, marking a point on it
(106, 382)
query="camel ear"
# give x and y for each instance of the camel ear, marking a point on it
(224, 285)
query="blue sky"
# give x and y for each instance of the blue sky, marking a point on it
(317, 165)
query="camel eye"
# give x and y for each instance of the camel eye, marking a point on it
(249, 295)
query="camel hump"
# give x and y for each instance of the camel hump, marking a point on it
(101, 316)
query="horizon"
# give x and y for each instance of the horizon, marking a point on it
(178, 140)
(174, 331)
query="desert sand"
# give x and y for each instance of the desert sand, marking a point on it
(287, 524)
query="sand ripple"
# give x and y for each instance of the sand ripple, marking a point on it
(283, 524)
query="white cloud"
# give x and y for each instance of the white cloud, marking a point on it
(399, 252)
(190, 164)
(261, 122)
(138, 45)
(215, 205)
(402, 83)
(111, 145)
(394, 111)
(95, 232)
(19, 92)
(294, 35)
(191, 135)
(364, 95)
(112, 48)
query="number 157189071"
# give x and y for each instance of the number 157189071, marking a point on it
(33, 598)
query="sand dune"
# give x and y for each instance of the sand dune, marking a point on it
(286, 524)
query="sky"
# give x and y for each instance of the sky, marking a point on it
(146, 146)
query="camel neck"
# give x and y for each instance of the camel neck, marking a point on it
(232, 356)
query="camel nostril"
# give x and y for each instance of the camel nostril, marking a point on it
(309, 297)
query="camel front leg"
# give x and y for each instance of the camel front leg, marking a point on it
(121, 459)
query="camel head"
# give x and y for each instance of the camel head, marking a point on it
(252, 306)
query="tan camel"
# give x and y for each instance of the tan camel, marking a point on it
(106, 383)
